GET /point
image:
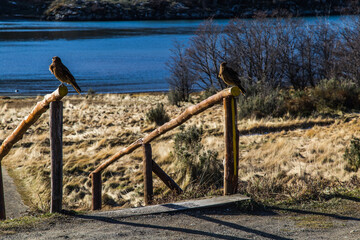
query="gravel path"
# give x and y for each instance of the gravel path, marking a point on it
(216, 223)
(14, 206)
(220, 223)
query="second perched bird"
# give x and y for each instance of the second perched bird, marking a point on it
(230, 77)
(62, 73)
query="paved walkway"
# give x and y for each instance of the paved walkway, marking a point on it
(14, 206)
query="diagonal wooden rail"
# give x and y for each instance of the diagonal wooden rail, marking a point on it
(18, 133)
(231, 146)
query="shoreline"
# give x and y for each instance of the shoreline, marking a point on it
(13, 96)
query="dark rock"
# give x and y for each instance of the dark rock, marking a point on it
(162, 9)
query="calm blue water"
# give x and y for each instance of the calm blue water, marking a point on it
(108, 57)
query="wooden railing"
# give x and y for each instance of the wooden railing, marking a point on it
(54, 100)
(149, 166)
(18, 133)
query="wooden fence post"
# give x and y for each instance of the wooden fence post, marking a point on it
(2, 200)
(231, 146)
(56, 127)
(18, 133)
(96, 190)
(148, 181)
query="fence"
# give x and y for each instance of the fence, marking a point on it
(149, 165)
(53, 100)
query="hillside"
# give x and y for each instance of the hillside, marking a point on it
(90, 10)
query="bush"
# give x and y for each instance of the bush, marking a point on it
(261, 102)
(91, 91)
(175, 97)
(203, 168)
(158, 115)
(328, 97)
(336, 95)
(352, 155)
(299, 104)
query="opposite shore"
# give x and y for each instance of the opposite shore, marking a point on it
(105, 10)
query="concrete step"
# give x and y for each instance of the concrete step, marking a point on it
(172, 207)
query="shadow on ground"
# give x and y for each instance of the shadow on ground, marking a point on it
(199, 215)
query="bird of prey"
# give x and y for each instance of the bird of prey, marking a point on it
(62, 73)
(230, 77)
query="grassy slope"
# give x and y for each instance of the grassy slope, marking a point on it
(279, 158)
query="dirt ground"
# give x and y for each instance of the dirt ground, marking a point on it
(14, 206)
(218, 223)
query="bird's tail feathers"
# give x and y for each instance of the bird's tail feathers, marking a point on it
(243, 91)
(76, 87)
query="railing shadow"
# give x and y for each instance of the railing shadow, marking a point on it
(199, 216)
(308, 212)
(354, 199)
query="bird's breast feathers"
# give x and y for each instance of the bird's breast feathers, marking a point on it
(51, 69)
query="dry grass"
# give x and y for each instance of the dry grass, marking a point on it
(297, 154)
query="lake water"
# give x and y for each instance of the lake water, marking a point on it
(108, 57)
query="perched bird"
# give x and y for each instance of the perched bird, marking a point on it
(230, 77)
(62, 73)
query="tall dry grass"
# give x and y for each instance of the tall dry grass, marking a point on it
(278, 157)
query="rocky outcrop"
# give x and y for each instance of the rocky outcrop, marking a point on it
(100, 10)
(85, 10)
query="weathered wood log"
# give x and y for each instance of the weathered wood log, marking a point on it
(56, 152)
(147, 170)
(165, 178)
(191, 111)
(188, 113)
(34, 115)
(231, 146)
(18, 133)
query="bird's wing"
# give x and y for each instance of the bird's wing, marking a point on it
(232, 73)
(236, 78)
(71, 79)
(68, 74)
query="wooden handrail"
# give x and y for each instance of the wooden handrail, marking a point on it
(187, 114)
(34, 115)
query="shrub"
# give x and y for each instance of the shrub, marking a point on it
(299, 104)
(352, 155)
(157, 115)
(91, 91)
(174, 97)
(336, 95)
(203, 168)
(261, 102)
(187, 143)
